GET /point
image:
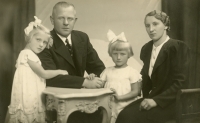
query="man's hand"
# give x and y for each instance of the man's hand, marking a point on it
(147, 104)
(94, 83)
(91, 76)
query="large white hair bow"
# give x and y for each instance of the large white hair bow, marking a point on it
(112, 37)
(31, 25)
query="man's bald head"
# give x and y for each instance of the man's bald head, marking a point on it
(64, 5)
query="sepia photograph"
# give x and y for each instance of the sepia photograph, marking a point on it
(100, 61)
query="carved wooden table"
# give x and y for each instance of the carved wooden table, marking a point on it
(66, 101)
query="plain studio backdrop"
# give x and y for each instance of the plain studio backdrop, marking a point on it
(96, 17)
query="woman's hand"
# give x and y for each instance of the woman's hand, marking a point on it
(117, 97)
(63, 72)
(147, 104)
(91, 76)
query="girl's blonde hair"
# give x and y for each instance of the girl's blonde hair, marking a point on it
(36, 27)
(37, 30)
(120, 45)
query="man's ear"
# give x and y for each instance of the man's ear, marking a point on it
(166, 27)
(51, 19)
(75, 20)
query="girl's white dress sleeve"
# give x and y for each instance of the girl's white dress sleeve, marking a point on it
(135, 76)
(103, 75)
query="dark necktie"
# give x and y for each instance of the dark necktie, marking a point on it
(69, 47)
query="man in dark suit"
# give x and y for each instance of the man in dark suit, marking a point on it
(71, 51)
(165, 70)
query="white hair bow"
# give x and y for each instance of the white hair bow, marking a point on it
(30, 26)
(112, 37)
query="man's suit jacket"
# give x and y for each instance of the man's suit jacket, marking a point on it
(170, 72)
(85, 58)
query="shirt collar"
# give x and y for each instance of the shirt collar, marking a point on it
(64, 38)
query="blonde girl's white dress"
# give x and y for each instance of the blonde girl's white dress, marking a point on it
(26, 100)
(120, 79)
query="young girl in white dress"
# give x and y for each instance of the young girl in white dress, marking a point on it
(29, 80)
(123, 80)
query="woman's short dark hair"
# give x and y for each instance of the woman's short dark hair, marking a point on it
(162, 16)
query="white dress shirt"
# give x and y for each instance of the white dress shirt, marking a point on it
(154, 55)
(64, 39)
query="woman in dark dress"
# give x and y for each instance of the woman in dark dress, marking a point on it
(165, 71)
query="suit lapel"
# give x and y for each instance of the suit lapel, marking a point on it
(61, 49)
(147, 57)
(161, 57)
(78, 46)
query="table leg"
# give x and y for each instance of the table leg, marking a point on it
(61, 111)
